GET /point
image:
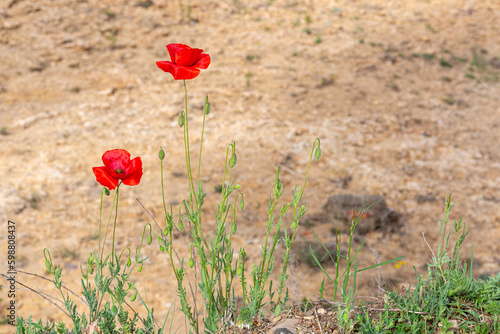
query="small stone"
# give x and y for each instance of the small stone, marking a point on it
(275, 320)
(321, 311)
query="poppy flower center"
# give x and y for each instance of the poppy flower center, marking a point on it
(118, 171)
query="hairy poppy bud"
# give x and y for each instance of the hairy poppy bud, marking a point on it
(191, 263)
(181, 120)
(317, 153)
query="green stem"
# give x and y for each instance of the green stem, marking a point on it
(100, 222)
(186, 148)
(202, 133)
(107, 227)
(163, 191)
(114, 225)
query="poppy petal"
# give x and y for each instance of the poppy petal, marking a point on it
(203, 62)
(187, 57)
(179, 72)
(116, 159)
(135, 164)
(103, 177)
(175, 48)
(134, 178)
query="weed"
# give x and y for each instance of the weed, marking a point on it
(110, 14)
(428, 56)
(248, 76)
(145, 4)
(449, 101)
(318, 39)
(444, 63)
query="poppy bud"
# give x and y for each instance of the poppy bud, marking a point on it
(140, 268)
(239, 271)
(294, 225)
(134, 296)
(191, 263)
(106, 191)
(242, 204)
(234, 228)
(207, 106)
(47, 265)
(149, 239)
(317, 153)
(129, 262)
(162, 249)
(114, 310)
(161, 154)
(180, 121)
(232, 161)
(180, 225)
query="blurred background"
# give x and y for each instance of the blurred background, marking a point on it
(404, 96)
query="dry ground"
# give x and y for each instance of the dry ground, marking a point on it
(404, 96)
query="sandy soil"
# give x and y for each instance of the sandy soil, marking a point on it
(403, 95)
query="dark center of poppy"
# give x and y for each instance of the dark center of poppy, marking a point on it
(118, 171)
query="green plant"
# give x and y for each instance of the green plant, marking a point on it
(213, 261)
(347, 305)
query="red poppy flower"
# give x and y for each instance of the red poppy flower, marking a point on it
(118, 166)
(185, 63)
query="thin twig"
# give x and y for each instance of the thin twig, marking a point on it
(434, 255)
(41, 295)
(317, 319)
(45, 278)
(373, 308)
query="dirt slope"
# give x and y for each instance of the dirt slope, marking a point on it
(403, 95)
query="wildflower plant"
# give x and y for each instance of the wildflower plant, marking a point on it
(106, 280)
(213, 263)
(213, 260)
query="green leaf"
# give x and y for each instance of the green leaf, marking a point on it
(322, 288)
(381, 264)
